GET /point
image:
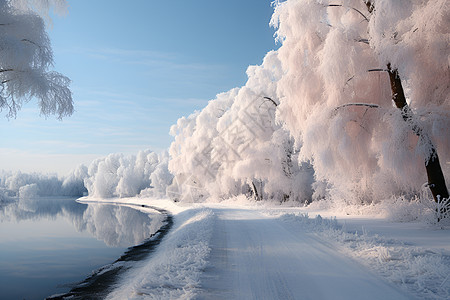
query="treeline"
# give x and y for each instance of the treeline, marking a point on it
(322, 118)
(115, 175)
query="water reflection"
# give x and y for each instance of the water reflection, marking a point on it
(116, 225)
(49, 242)
(120, 225)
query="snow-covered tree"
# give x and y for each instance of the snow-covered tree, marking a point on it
(73, 183)
(190, 153)
(26, 57)
(118, 175)
(44, 184)
(234, 146)
(343, 64)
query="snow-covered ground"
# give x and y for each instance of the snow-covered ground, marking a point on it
(241, 251)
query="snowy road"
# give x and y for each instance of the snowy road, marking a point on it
(256, 257)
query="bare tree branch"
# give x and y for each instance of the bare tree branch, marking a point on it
(271, 100)
(357, 10)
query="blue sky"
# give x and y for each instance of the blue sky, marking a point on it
(136, 67)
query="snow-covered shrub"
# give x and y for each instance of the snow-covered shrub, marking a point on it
(401, 209)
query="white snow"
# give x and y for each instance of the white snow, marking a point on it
(239, 250)
(173, 272)
(413, 257)
(258, 258)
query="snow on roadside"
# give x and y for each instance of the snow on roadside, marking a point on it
(415, 257)
(423, 272)
(173, 271)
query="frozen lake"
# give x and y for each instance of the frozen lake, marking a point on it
(48, 245)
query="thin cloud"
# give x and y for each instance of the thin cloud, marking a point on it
(154, 59)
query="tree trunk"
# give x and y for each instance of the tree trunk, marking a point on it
(436, 180)
(255, 192)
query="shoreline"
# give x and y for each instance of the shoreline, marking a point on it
(102, 280)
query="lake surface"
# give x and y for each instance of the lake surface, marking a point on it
(48, 245)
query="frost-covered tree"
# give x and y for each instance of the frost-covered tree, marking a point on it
(335, 88)
(436, 180)
(190, 153)
(44, 184)
(118, 175)
(344, 63)
(263, 155)
(73, 184)
(234, 146)
(26, 57)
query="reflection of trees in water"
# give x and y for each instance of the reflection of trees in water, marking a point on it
(40, 208)
(115, 225)
(121, 225)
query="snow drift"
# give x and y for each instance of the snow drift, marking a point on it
(174, 270)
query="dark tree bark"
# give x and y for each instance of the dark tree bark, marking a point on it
(257, 196)
(436, 180)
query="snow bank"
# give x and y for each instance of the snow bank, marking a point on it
(421, 271)
(173, 271)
